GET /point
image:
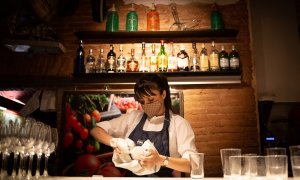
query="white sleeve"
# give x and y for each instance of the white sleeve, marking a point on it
(185, 137)
(119, 126)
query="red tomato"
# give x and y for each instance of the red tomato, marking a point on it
(89, 148)
(87, 118)
(96, 115)
(86, 165)
(68, 139)
(79, 144)
(77, 127)
(84, 133)
(71, 120)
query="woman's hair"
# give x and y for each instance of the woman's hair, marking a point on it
(148, 82)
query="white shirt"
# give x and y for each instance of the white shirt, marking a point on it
(181, 134)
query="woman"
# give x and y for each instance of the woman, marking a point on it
(171, 134)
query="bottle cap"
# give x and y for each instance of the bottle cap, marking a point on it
(152, 7)
(113, 8)
(132, 7)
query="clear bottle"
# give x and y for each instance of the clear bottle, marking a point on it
(162, 58)
(121, 61)
(234, 59)
(172, 59)
(132, 19)
(111, 60)
(132, 64)
(90, 62)
(79, 67)
(144, 63)
(214, 58)
(112, 22)
(153, 59)
(153, 23)
(100, 65)
(204, 62)
(182, 59)
(195, 66)
(224, 61)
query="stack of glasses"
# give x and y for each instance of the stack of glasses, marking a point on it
(23, 140)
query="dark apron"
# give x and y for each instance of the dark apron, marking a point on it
(160, 139)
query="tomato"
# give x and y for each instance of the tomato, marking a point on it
(68, 139)
(79, 144)
(71, 120)
(89, 148)
(87, 118)
(84, 133)
(86, 165)
(77, 127)
(96, 115)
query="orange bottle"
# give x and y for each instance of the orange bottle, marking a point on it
(153, 19)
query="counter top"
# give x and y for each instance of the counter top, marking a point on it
(127, 178)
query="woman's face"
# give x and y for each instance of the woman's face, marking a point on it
(153, 98)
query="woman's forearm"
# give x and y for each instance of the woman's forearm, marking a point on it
(100, 135)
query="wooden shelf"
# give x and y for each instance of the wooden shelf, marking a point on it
(120, 80)
(203, 35)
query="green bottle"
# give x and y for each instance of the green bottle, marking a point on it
(216, 21)
(112, 22)
(132, 20)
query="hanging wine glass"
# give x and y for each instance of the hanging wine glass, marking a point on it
(44, 147)
(51, 148)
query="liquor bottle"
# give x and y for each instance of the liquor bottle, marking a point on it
(214, 58)
(111, 60)
(112, 22)
(162, 58)
(100, 65)
(216, 21)
(172, 60)
(121, 61)
(234, 59)
(79, 61)
(132, 20)
(144, 63)
(195, 66)
(90, 63)
(153, 23)
(182, 59)
(224, 61)
(204, 62)
(153, 59)
(132, 64)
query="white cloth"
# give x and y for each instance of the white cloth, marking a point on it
(130, 156)
(181, 134)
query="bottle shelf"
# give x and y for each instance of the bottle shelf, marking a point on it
(202, 35)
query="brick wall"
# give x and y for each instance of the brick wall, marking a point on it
(222, 116)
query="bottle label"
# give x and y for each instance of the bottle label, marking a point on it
(214, 61)
(132, 66)
(162, 63)
(172, 63)
(183, 62)
(224, 63)
(234, 63)
(153, 64)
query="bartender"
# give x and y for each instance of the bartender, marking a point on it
(171, 134)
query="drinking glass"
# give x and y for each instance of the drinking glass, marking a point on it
(51, 148)
(277, 167)
(196, 165)
(258, 169)
(276, 151)
(38, 148)
(225, 154)
(295, 160)
(239, 167)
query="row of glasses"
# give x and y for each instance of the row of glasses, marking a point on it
(272, 165)
(26, 139)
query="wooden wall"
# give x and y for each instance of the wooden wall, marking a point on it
(222, 116)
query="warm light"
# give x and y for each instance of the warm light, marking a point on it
(3, 108)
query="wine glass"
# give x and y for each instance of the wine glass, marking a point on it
(43, 148)
(51, 148)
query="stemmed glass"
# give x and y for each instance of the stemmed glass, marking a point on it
(5, 147)
(51, 148)
(33, 141)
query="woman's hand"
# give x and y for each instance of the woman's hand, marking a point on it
(151, 159)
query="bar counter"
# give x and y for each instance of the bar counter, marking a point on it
(129, 178)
